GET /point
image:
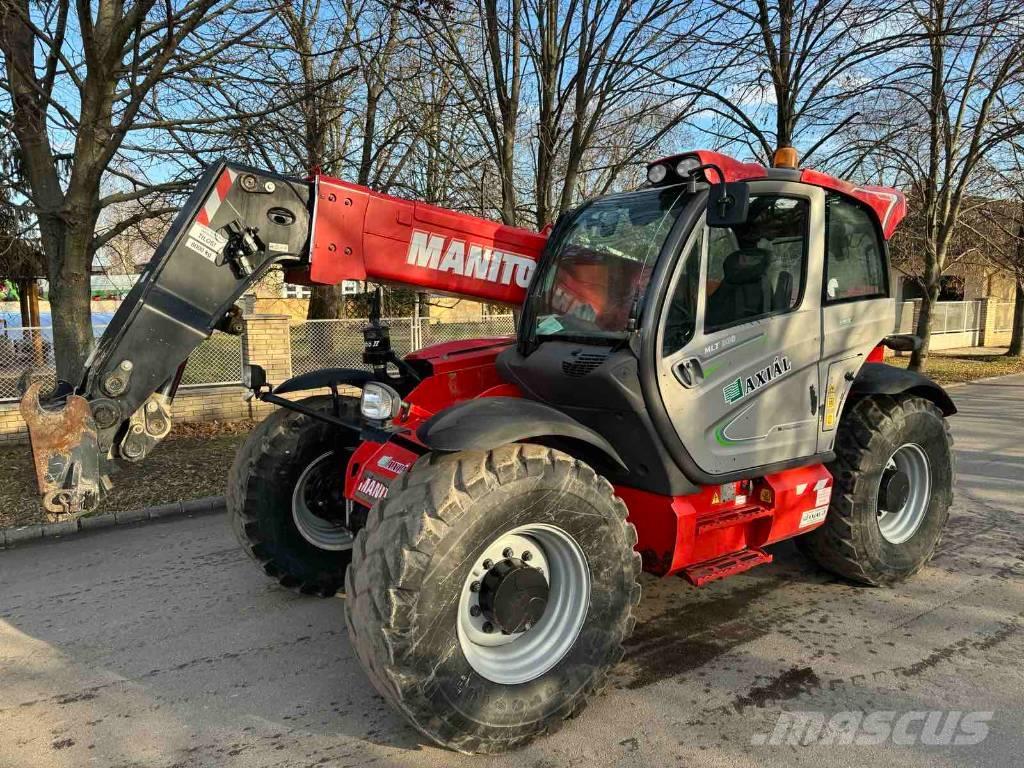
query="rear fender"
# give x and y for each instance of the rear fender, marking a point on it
(490, 422)
(882, 379)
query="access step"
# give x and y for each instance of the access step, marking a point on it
(727, 565)
(725, 518)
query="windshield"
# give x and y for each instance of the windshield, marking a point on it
(603, 262)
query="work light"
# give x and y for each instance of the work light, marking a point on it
(379, 402)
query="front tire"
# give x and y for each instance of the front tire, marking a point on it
(453, 533)
(893, 488)
(269, 498)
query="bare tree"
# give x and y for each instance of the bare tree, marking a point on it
(485, 47)
(791, 69)
(950, 106)
(77, 82)
(598, 67)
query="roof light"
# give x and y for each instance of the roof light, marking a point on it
(656, 173)
(687, 165)
(785, 157)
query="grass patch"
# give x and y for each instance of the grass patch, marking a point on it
(955, 369)
(191, 463)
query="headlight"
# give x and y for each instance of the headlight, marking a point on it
(686, 166)
(379, 402)
(657, 173)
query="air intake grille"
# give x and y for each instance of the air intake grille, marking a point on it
(582, 364)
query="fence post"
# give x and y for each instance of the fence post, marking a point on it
(267, 341)
(986, 321)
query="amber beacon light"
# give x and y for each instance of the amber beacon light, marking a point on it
(785, 157)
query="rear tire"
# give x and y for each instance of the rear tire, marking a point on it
(861, 540)
(418, 558)
(260, 496)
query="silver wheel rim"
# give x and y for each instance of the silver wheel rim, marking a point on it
(523, 656)
(897, 526)
(318, 531)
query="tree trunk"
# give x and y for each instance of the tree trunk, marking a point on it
(71, 318)
(325, 303)
(24, 285)
(1017, 336)
(919, 357)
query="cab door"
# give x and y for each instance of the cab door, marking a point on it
(857, 310)
(740, 377)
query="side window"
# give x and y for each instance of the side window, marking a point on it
(854, 260)
(756, 269)
(681, 310)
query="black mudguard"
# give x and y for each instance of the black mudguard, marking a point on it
(490, 422)
(882, 379)
(325, 377)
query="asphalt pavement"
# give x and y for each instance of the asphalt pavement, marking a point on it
(161, 645)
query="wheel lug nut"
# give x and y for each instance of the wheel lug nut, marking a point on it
(488, 627)
(474, 587)
(488, 564)
(527, 556)
(474, 610)
(507, 552)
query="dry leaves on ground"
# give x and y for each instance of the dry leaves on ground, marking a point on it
(191, 463)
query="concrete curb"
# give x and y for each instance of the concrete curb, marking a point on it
(10, 537)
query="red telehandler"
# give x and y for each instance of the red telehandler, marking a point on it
(697, 374)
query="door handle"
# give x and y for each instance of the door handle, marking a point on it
(689, 372)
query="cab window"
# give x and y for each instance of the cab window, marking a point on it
(681, 310)
(855, 257)
(756, 269)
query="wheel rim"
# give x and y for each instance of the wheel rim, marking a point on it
(522, 656)
(317, 530)
(900, 524)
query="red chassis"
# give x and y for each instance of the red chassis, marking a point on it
(705, 536)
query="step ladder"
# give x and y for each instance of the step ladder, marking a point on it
(727, 565)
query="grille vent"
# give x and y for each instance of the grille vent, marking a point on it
(582, 364)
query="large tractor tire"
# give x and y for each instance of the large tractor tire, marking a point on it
(893, 488)
(284, 498)
(490, 594)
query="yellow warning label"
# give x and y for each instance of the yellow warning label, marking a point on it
(716, 499)
(766, 495)
(831, 406)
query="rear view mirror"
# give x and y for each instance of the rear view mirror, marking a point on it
(728, 204)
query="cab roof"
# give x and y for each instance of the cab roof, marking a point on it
(889, 205)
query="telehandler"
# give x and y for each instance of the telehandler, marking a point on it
(697, 374)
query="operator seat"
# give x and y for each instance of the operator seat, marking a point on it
(745, 291)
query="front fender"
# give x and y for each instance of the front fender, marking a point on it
(883, 379)
(324, 377)
(489, 422)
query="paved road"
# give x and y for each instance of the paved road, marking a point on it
(161, 646)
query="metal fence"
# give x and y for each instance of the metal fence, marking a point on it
(339, 343)
(956, 316)
(218, 360)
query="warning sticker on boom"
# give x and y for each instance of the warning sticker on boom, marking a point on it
(208, 243)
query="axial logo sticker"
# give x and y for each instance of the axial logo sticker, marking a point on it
(741, 386)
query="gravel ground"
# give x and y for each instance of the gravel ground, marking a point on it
(193, 462)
